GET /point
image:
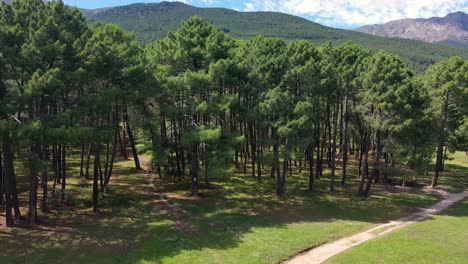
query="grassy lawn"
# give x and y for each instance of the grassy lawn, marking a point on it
(237, 221)
(441, 239)
(456, 180)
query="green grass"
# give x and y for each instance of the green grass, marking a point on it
(441, 239)
(236, 221)
(455, 177)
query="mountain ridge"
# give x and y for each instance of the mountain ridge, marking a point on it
(450, 30)
(152, 21)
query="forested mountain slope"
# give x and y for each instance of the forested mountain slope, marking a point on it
(153, 21)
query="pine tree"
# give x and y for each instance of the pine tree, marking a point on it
(447, 85)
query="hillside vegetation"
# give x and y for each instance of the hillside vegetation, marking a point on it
(154, 21)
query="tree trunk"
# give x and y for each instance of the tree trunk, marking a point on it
(64, 173)
(59, 164)
(259, 159)
(2, 189)
(279, 187)
(365, 169)
(176, 150)
(45, 198)
(111, 165)
(375, 167)
(310, 153)
(106, 165)
(82, 161)
(333, 150)
(318, 168)
(97, 161)
(345, 139)
(194, 168)
(444, 159)
(131, 139)
(8, 174)
(182, 153)
(123, 143)
(55, 167)
(101, 176)
(440, 147)
(33, 181)
(253, 147)
(286, 162)
(14, 193)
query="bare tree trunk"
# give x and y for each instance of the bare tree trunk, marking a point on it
(64, 173)
(111, 165)
(310, 153)
(375, 167)
(440, 148)
(177, 152)
(33, 181)
(101, 177)
(279, 181)
(253, 147)
(333, 151)
(8, 174)
(82, 160)
(45, 197)
(131, 139)
(14, 194)
(345, 139)
(59, 164)
(259, 159)
(194, 168)
(88, 158)
(56, 169)
(106, 165)
(123, 143)
(444, 158)
(97, 161)
(286, 162)
(318, 168)
(365, 169)
(2, 189)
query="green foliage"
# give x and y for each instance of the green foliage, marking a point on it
(461, 136)
(154, 21)
(447, 84)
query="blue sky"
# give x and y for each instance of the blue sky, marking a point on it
(334, 13)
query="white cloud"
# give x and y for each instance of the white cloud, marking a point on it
(359, 12)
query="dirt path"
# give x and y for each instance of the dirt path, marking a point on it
(325, 251)
(161, 202)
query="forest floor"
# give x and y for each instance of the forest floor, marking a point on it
(146, 219)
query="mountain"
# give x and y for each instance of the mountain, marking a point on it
(449, 30)
(153, 21)
(91, 12)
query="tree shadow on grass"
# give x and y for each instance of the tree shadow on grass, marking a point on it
(455, 178)
(460, 209)
(136, 224)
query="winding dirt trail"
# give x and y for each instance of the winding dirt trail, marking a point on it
(321, 253)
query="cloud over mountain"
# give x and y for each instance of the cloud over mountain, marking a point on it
(358, 12)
